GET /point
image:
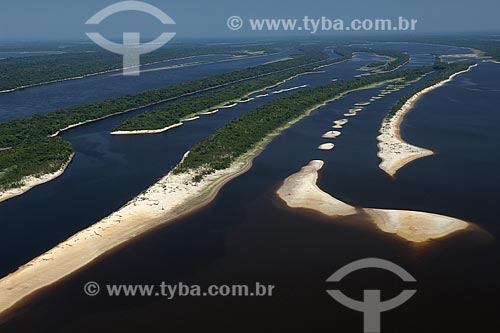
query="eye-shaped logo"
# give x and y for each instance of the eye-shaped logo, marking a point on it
(131, 49)
(372, 306)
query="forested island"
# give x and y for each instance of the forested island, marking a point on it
(171, 114)
(28, 146)
(28, 71)
(219, 150)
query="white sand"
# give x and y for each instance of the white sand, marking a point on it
(362, 104)
(228, 106)
(394, 152)
(172, 196)
(341, 122)
(326, 146)
(140, 132)
(208, 113)
(246, 100)
(415, 226)
(331, 134)
(190, 119)
(301, 191)
(32, 181)
(289, 89)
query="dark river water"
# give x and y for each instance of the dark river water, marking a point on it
(116, 167)
(247, 234)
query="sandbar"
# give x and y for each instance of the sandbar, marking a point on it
(326, 146)
(300, 190)
(331, 134)
(394, 152)
(140, 132)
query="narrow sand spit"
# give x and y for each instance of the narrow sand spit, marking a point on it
(331, 134)
(32, 181)
(190, 119)
(161, 130)
(169, 198)
(228, 106)
(207, 113)
(140, 132)
(246, 100)
(301, 191)
(326, 146)
(172, 196)
(289, 89)
(394, 152)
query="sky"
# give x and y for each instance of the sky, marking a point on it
(64, 19)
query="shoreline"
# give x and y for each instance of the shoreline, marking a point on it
(224, 105)
(141, 132)
(94, 74)
(151, 104)
(133, 219)
(300, 190)
(33, 181)
(172, 197)
(394, 151)
(21, 190)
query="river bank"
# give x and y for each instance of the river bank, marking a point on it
(32, 181)
(395, 152)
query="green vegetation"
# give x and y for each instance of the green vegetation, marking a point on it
(488, 44)
(173, 113)
(490, 47)
(32, 152)
(241, 135)
(376, 64)
(26, 71)
(396, 59)
(20, 130)
(445, 70)
(36, 158)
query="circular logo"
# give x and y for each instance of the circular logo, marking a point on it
(235, 23)
(91, 288)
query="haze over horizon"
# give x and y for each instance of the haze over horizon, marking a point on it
(65, 20)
